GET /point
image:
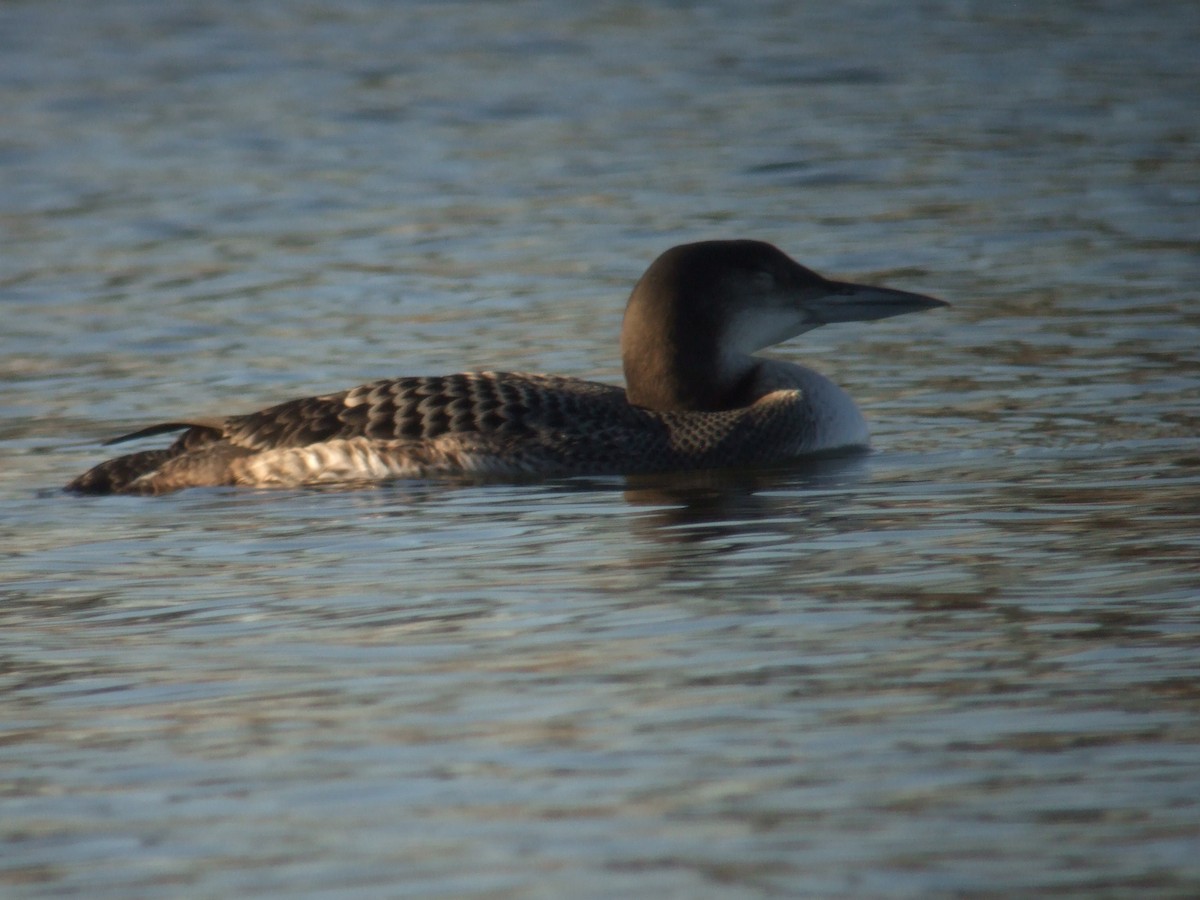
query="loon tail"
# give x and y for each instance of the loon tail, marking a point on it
(116, 475)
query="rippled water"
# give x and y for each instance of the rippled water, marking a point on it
(967, 664)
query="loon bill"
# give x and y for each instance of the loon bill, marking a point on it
(696, 397)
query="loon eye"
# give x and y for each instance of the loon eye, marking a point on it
(763, 279)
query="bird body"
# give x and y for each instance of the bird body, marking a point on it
(697, 397)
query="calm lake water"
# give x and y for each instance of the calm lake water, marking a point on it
(966, 664)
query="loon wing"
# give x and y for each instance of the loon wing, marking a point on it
(422, 408)
(411, 408)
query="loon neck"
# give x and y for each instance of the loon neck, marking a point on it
(676, 362)
(678, 374)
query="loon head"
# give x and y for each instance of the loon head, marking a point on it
(701, 310)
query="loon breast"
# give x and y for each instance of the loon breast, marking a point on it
(697, 397)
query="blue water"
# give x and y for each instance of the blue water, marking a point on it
(966, 664)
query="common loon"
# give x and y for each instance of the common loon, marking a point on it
(696, 397)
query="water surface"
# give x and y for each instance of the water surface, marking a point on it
(962, 665)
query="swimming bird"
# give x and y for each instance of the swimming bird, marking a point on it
(696, 397)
